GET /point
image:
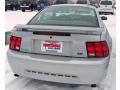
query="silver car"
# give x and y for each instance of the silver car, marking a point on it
(62, 43)
(106, 6)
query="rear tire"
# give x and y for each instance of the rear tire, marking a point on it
(5, 9)
(112, 13)
(31, 8)
(23, 10)
(100, 13)
(38, 9)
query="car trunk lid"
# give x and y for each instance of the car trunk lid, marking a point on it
(56, 40)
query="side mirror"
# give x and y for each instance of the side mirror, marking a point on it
(104, 18)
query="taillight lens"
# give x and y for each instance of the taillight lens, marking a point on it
(90, 49)
(105, 48)
(15, 43)
(97, 49)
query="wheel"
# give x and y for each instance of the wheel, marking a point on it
(31, 10)
(112, 13)
(16, 75)
(23, 10)
(38, 9)
(93, 85)
(100, 13)
(5, 9)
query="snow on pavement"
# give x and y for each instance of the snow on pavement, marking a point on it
(22, 83)
(17, 17)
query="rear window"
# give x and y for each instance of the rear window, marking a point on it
(66, 16)
(106, 2)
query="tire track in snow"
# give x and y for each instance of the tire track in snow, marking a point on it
(17, 83)
(31, 84)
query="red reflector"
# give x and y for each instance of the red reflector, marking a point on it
(15, 43)
(97, 49)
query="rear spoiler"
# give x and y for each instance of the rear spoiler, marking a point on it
(70, 29)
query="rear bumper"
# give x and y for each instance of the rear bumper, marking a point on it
(106, 10)
(25, 7)
(58, 69)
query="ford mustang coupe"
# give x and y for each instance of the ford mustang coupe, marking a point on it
(63, 43)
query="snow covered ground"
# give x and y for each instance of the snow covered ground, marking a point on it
(13, 83)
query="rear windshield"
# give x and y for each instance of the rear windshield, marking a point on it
(106, 2)
(66, 16)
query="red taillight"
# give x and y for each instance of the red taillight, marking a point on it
(12, 42)
(15, 43)
(105, 48)
(90, 49)
(97, 49)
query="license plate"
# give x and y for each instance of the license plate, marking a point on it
(49, 45)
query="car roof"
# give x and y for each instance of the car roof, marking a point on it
(77, 5)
